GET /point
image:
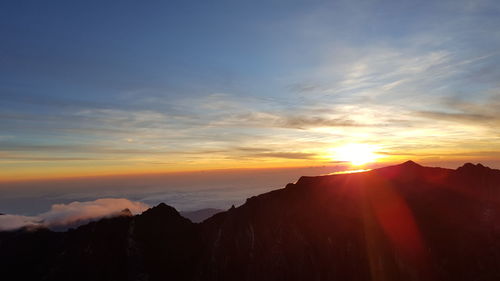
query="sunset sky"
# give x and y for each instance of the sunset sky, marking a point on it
(133, 87)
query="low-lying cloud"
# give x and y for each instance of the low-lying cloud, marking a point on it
(64, 216)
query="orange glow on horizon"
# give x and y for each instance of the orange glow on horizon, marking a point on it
(359, 156)
(61, 173)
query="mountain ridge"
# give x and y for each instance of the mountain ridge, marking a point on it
(333, 227)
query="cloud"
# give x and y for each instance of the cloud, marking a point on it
(11, 146)
(285, 155)
(302, 122)
(482, 112)
(11, 222)
(302, 119)
(457, 117)
(64, 216)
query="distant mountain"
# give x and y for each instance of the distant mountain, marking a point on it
(404, 222)
(200, 215)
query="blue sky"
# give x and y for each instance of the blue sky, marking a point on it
(104, 86)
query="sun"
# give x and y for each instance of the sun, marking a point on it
(355, 153)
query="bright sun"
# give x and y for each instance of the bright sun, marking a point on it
(356, 153)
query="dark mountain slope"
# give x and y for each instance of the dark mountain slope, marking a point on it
(404, 222)
(200, 215)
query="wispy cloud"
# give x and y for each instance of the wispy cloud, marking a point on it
(456, 117)
(322, 75)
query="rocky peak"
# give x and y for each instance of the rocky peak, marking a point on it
(469, 167)
(126, 212)
(411, 164)
(162, 209)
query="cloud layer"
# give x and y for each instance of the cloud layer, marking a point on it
(63, 216)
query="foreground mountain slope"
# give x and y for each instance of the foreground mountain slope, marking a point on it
(404, 222)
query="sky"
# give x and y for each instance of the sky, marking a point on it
(92, 88)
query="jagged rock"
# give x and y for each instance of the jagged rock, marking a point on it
(404, 222)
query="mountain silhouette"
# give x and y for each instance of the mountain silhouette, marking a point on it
(200, 215)
(403, 222)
